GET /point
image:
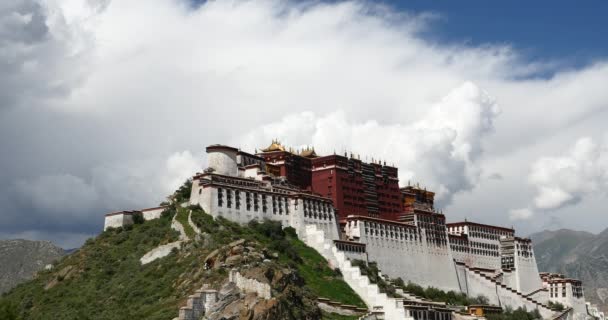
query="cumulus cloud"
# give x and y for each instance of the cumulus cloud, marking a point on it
(80, 202)
(180, 167)
(58, 193)
(119, 86)
(565, 180)
(441, 149)
(39, 50)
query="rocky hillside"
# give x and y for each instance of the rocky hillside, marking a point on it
(578, 254)
(105, 279)
(21, 259)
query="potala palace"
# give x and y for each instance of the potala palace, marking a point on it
(348, 209)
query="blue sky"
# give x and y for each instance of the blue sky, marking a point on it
(572, 32)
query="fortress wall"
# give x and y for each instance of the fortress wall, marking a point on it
(250, 285)
(352, 250)
(509, 278)
(223, 161)
(291, 214)
(578, 304)
(355, 255)
(117, 220)
(540, 296)
(500, 296)
(153, 213)
(241, 214)
(477, 286)
(411, 260)
(201, 196)
(461, 276)
(477, 260)
(526, 272)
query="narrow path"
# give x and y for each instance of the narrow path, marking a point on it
(176, 225)
(165, 249)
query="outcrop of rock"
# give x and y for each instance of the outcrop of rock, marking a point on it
(21, 259)
(578, 254)
(278, 276)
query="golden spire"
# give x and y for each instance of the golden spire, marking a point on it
(274, 146)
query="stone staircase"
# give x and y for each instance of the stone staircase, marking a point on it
(526, 300)
(391, 308)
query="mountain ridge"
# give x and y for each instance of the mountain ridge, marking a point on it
(578, 254)
(21, 259)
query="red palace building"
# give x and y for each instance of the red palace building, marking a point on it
(356, 187)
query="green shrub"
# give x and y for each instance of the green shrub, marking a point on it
(109, 282)
(8, 310)
(138, 218)
(557, 306)
(183, 193)
(518, 314)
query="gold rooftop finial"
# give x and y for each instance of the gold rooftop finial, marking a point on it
(274, 146)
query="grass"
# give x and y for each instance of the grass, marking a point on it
(108, 282)
(321, 279)
(429, 293)
(182, 217)
(312, 267)
(517, 314)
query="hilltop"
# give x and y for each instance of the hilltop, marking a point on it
(105, 279)
(578, 254)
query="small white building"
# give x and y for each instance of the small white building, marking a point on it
(566, 291)
(123, 218)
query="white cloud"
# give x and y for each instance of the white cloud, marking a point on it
(180, 167)
(441, 149)
(58, 193)
(115, 186)
(118, 86)
(565, 180)
(39, 50)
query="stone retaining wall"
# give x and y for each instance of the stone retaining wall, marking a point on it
(197, 304)
(250, 285)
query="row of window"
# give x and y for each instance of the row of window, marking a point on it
(480, 232)
(393, 232)
(232, 198)
(555, 292)
(507, 262)
(350, 247)
(317, 209)
(480, 252)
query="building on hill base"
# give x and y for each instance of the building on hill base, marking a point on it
(363, 214)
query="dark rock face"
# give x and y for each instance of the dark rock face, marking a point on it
(579, 255)
(21, 259)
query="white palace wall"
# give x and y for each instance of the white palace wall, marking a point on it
(509, 278)
(116, 220)
(290, 211)
(223, 161)
(153, 213)
(528, 279)
(410, 258)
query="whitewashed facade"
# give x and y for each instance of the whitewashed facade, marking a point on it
(466, 257)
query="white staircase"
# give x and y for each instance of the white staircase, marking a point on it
(369, 292)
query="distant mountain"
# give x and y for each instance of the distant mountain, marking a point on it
(577, 254)
(21, 259)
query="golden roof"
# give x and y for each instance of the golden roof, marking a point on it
(308, 153)
(274, 146)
